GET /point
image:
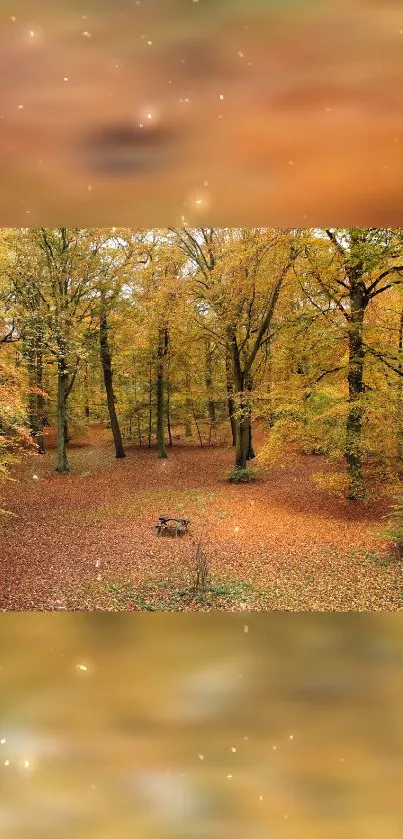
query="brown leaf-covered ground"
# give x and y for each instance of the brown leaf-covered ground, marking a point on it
(85, 541)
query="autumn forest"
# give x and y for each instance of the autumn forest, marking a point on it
(248, 382)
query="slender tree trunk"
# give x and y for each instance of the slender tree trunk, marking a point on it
(87, 393)
(190, 402)
(162, 350)
(169, 408)
(209, 385)
(108, 380)
(150, 407)
(40, 400)
(230, 397)
(353, 447)
(63, 465)
(30, 356)
(188, 419)
(136, 406)
(400, 398)
(139, 431)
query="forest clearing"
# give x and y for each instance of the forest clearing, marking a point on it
(247, 380)
(86, 541)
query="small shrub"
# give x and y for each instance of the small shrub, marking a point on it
(238, 475)
(200, 572)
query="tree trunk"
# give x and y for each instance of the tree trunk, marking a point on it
(108, 380)
(209, 385)
(63, 465)
(40, 400)
(188, 420)
(30, 356)
(353, 447)
(230, 397)
(400, 399)
(66, 426)
(242, 428)
(250, 453)
(243, 440)
(87, 394)
(150, 407)
(169, 410)
(242, 423)
(162, 350)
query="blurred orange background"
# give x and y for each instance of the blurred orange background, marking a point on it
(190, 726)
(231, 113)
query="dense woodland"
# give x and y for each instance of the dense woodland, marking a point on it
(196, 333)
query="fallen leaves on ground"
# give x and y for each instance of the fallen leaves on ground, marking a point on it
(86, 540)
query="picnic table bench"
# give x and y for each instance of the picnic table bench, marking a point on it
(171, 525)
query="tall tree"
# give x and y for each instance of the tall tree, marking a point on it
(362, 264)
(106, 362)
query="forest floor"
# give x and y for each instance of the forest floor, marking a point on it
(85, 541)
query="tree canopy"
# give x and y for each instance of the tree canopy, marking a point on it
(200, 331)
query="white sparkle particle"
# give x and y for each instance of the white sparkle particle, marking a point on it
(230, 777)
(150, 43)
(13, 18)
(221, 96)
(26, 764)
(20, 107)
(291, 736)
(6, 763)
(87, 34)
(260, 797)
(201, 757)
(82, 667)
(233, 749)
(274, 747)
(32, 34)
(2, 741)
(65, 78)
(240, 54)
(246, 630)
(149, 116)
(291, 163)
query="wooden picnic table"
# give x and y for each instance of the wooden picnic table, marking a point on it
(171, 525)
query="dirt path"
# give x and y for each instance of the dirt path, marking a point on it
(75, 536)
